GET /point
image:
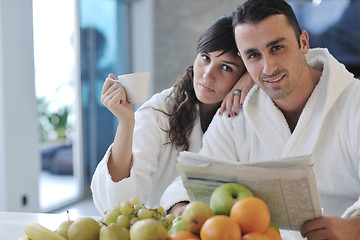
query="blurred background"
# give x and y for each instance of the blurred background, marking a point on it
(56, 54)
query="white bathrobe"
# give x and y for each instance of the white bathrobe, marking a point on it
(154, 160)
(328, 128)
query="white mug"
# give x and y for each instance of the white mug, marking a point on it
(136, 86)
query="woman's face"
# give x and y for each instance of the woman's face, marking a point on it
(215, 75)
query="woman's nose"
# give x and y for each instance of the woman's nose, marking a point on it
(209, 73)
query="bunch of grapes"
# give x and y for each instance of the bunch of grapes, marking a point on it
(128, 212)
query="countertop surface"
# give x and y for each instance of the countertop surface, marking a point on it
(12, 223)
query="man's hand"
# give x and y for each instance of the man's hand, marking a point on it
(332, 228)
(178, 208)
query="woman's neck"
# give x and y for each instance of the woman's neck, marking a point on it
(207, 112)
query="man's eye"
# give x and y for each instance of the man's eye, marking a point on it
(275, 48)
(205, 58)
(253, 55)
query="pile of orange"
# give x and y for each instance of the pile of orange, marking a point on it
(249, 220)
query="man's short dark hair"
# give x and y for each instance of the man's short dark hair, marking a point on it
(254, 11)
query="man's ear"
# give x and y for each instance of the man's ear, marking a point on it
(304, 41)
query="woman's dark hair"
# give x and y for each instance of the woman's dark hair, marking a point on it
(183, 111)
(254, 11)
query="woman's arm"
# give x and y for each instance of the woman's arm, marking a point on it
(232, 103)
(113, 97)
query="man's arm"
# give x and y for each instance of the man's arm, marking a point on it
(332, 227)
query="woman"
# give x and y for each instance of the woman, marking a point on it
(141, 161)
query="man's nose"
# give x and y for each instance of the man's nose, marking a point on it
(269, 65)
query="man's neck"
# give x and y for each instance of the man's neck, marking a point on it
(294, 104)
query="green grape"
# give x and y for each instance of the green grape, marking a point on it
(170, 217)
(123, 221)
(110, 217)
(126, 208)
(134, 201)
(137, 207)
(165, 222)
(117, 208)
(133, 220)
(160, 210)
(144, 213)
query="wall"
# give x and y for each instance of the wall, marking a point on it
(177, 27)
(19, 158)
(165, 35)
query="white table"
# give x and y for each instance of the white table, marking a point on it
(12, 223)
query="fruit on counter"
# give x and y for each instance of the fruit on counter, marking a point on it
(195, 214)
(183, 235)
(225, 195)
(148, 229)
(84, 228)
(251, 214)
(24, 238)
(36, 231)
(255, 236)
(63, 228)
(115, 223)
(114, 232)
(177, 225)
(274, 225)
(272, 233)
(220, 227)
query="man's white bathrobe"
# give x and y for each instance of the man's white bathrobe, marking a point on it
(328, 128)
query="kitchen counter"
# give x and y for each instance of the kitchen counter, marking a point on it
(12, 223)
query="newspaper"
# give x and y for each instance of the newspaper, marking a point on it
(288, 186)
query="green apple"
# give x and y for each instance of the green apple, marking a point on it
(84, 228)
(114, 232)
(274, 225)
(225, 195)
(177, 225)
(148, 229)
(194, 216)
(63, 229)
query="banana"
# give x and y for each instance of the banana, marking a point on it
(36, 231)
(24, 238)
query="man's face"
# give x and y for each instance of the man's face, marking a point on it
(272, 56)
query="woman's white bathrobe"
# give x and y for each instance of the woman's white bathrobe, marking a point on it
(153, 160)
(328, 128)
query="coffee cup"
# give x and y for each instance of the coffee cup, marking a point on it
(136, 86)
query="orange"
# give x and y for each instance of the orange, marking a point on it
(255, 236)
(272, 233)
(251, 214)
(220, 227)
(183, 235)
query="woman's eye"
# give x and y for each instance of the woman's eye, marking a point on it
(227, 68)
(205, 58)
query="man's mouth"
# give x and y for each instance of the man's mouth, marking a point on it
(275, 80)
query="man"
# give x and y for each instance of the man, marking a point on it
(305, 102)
